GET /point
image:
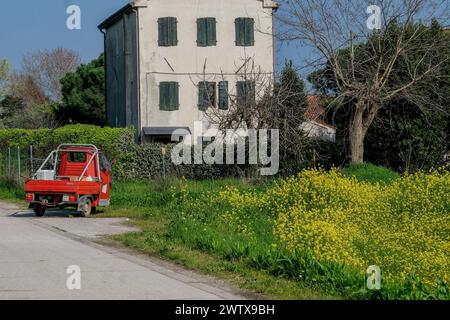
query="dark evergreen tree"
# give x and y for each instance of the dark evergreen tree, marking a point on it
(83, 95)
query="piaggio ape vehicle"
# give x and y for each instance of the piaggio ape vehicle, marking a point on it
(72, 176)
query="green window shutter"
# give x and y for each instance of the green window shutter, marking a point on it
(240, 32)
(223, 95)
(211, 31)
(162, 32)
(173, 32)
(249, 32)
(245, 32)
(203, 95)
(201, 32)
(164, 96)
(169, 96)
(246, 93)
(167, 32)
(206, 32)
(174, 96)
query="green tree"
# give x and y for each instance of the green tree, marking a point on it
(16, 113)
(4, 78)
(408, 131)
(366, 75)
(290, 114)
(83, 95)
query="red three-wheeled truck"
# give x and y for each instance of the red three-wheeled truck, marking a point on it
(73, 175)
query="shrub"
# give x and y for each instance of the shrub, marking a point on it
(107, 139)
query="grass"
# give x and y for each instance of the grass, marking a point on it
(367, 172)
(11, 190)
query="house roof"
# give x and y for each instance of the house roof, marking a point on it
(115, 17)
(140, 3)
(315, 111)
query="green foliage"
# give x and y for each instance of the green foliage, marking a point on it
(16, 114)
(10, 189)
(130, 161)
(108, 140)
(367, 172)
(293, 91)
(10, 106)
(290, 114)
(145, 161)
(4, 77)
(84, 95)
(408, 139)
(410, 131)
(410, 135)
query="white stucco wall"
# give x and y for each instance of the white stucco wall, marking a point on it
(314, 129)
(188, 60)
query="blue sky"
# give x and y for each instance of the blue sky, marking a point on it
(31, 25)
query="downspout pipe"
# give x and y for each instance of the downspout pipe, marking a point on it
(138, 76)
(106, 76)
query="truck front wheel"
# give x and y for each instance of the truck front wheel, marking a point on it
(39, 210)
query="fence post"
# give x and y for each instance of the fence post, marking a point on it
(18, 161)
(31, 162)
(9, 162)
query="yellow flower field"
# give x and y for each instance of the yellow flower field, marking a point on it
(402, 227)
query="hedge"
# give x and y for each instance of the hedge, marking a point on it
(107, 139)
(131, 161)
(110, 141)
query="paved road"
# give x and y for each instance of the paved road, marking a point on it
(35, 254)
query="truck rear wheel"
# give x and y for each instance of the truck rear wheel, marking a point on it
(39, 210)
(86, 209)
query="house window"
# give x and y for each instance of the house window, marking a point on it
(246, 93)
(206, 32)
(168, 96)
(206, 95)
(245, 32)
(223, 95)
(167, 32)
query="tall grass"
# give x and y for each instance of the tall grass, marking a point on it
(10, 189)
(366, 172)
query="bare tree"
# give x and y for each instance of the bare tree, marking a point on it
(261, 102)
(25, 88)
(366, 79)
(47, 68)
(247, 109)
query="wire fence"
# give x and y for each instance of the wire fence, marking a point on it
(18, 163)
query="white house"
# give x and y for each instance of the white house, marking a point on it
(169, 60)
(315, 125)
